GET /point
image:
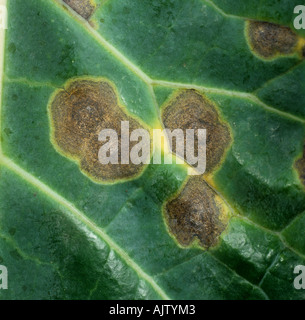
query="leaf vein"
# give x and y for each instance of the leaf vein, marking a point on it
(81, 217)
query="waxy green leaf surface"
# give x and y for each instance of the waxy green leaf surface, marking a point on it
(64, 235)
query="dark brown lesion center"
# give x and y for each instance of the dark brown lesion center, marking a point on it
(269, 40)
(195, 215)
(189, 109)
(78, 113)
(84, 8)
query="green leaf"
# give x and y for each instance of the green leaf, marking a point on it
(68, 233)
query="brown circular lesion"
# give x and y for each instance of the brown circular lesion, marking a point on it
(189, 109)
(78, 113)
(268, 40)
(196, 215)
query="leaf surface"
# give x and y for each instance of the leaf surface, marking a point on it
(65, 236)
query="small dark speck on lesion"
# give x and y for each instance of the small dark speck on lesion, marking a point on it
(84, 8)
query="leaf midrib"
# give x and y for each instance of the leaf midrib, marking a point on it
(98, 231)
(151, 82)
(81, 217)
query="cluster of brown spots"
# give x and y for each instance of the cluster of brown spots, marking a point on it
(84, 8)
(269, 40)
(191, 110)
(300, 166)
(78, 114)
(196, 213)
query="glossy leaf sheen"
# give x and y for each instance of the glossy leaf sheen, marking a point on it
(63, 236)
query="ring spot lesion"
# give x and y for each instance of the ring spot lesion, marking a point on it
(189, 109)
(78, 113)
(268, 40)
(196, 215)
